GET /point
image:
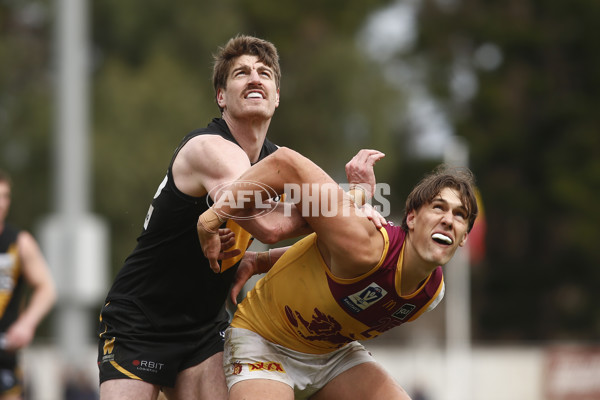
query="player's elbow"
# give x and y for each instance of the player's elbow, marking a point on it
(269, 235)
(284, 153)
(288, 160)
(50, 293)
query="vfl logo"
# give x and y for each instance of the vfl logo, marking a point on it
(266, 366)
(403, 311)
(365, 298)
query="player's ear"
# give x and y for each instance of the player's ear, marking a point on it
(410, 219)
(220, 98)
(464, 240)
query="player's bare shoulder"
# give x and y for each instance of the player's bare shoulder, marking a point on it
(26, 243)
(205, 161)
(211, 149)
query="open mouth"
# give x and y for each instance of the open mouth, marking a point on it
(441, 239)
(254, 95)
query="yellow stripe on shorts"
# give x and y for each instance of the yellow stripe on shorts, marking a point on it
(124, 371)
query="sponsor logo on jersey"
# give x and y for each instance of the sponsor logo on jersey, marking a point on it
(266, 366)
(364, 298)
(108, 348)
(148, 366)
(404, 311)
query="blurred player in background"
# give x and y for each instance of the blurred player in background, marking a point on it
(296, 334)
(22, 268)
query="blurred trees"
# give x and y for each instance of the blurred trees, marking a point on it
(533, 128)
(152, 85)
(517, 79)
(26, 107)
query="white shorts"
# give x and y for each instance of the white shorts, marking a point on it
(248, 356)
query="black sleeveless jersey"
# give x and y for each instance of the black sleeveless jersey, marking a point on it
(167, 275)
(11, 277)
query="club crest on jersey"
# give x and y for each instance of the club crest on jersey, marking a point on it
(404, 311)
(237, 368)
(364, 298)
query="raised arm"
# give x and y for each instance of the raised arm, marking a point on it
(361, 176)
(349, 242)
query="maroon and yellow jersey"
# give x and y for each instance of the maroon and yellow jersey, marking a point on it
(299, 304)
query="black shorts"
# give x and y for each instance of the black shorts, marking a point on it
(129, 347)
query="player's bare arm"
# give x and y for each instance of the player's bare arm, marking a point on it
(360, 174)
(277, 225)
(350, 244)
(208, 162)
(342, 236)
(37, 275)
(254, 263)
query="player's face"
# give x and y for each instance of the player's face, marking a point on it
(438, 228)
(251, 90)
(4, 200)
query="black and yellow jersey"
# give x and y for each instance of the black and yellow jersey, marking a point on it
(11, 277)
(167, 276)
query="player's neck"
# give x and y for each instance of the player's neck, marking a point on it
(414, 269)
(250, 134)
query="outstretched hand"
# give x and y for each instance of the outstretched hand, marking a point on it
(215, 244)
(359, 170)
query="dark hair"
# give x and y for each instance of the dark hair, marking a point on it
(460, 179)
(243, 45)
